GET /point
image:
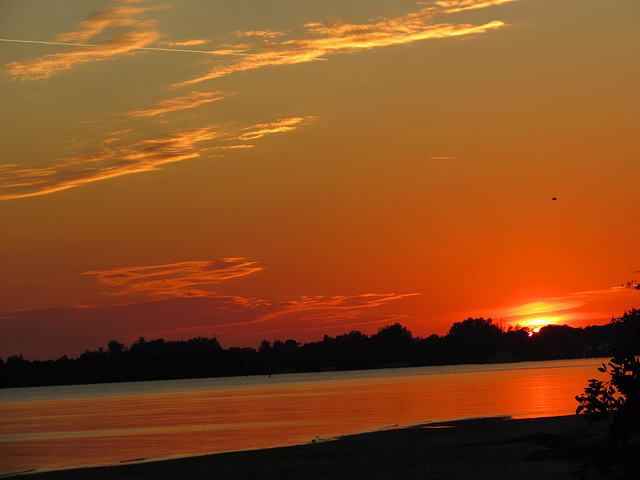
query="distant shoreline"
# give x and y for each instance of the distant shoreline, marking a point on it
(492, 448)
(473, 341)
(600, 359)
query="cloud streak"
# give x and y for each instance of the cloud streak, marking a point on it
(455, 6)
(260, 130)
(335, 36)
(295, 317)
(323, 310)
(182, 279)
(114, 159)
(118, 156)
(260, 33)
(186, 43)
(126, 154)
(192, 100)
(140, 34)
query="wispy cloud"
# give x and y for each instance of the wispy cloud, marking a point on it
(257, 131)
(262, 319)
(184, 43)
(120, 155)
(114, 159)
(192, 100)
(455, 6)
(126, 154)
(182, 279)
(324, 309)
(112, 18)
(336, 36)
(260, 33)
(139, 35)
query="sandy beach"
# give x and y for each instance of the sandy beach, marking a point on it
(491, 448)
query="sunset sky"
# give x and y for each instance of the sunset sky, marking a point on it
(285, 169)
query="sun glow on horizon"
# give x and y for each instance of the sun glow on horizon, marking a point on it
(536, 324)
(535, 315)
(544, 321)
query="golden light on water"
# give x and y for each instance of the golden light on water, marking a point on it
(194, 417)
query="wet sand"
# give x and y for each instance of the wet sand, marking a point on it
(491, 448)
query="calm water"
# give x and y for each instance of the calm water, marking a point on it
(47, 428)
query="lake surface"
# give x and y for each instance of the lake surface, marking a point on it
(50, 428)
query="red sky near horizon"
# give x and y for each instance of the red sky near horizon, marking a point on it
(275, 169)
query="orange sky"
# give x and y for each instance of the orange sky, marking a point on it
(265, 169)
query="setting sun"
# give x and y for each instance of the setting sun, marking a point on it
(535, 315)
(539, 322)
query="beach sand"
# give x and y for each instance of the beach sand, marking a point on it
(490, 448)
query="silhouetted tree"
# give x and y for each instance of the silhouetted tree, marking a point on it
(393, 345)
(475, 327)
(393, 335)
(474, 340)
(115, 347)
(265, 346)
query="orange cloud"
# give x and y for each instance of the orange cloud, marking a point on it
(47, 66)
(175, 279)
(337, 36)
(98, 22)
(120, 156)
(454, 6)
(308, 313)
(140, 35)
(186, 43)
(260, 33)
(193, 100)
(123, 155)
(260, 130)
(329, 309)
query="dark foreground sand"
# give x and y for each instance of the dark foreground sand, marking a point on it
(492, 448)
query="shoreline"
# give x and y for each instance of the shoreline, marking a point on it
(491, 447)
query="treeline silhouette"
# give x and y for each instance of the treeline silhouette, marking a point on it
(474, 340)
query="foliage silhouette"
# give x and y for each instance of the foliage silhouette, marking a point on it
(618, 399)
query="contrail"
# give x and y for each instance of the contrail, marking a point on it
(158, 49)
